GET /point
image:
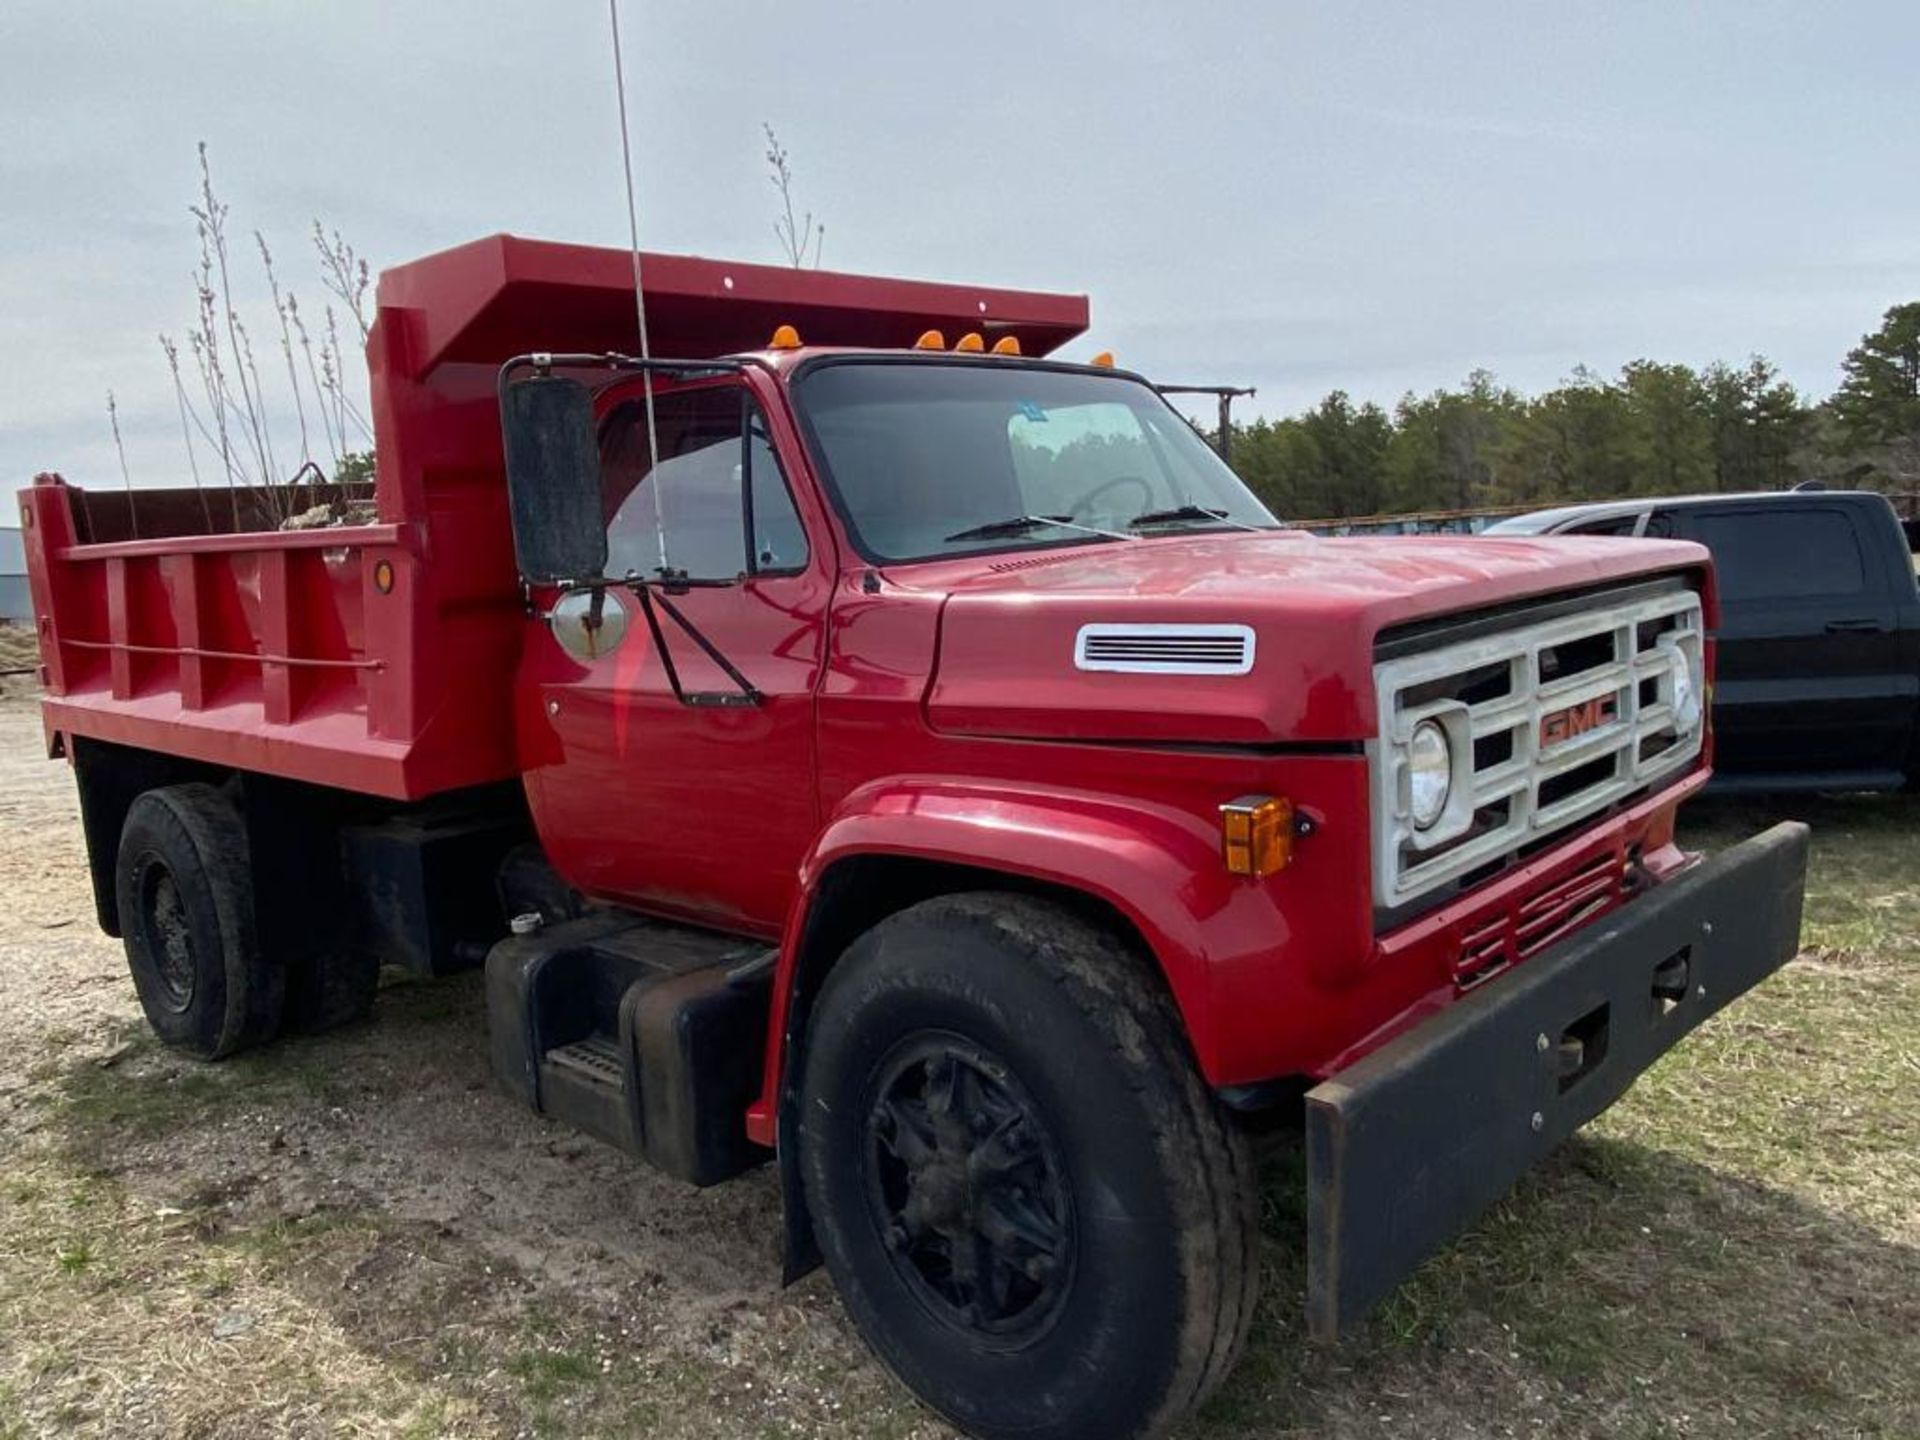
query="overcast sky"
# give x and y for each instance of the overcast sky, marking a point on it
(1300, 197)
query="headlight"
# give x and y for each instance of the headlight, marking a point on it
(1430, 772)
(1687, 706)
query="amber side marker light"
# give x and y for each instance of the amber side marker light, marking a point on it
(1256, 834)
(383, 576)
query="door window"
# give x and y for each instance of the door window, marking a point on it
(1783, 554)
(688, 513)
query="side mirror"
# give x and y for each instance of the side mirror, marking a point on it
(553, 479)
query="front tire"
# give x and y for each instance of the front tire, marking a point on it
(1035, 1211)
(185, 896)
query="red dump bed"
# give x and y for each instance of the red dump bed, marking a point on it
(380, 657)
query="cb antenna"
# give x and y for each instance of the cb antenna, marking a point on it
(639, 291)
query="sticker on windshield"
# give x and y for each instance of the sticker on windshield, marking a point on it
(1032, 411)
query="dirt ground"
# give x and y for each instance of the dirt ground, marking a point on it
(18, 647)
(356, 1235)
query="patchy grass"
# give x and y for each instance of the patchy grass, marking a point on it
(338, 1323)
(133, 1342)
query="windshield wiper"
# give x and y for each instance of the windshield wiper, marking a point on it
(1188, 512)
(1020, 524)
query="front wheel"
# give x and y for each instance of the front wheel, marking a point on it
(1035, 1211)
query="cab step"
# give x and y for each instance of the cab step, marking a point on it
(595, 1059)
(645, 1034)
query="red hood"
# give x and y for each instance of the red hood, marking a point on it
(1007, 635)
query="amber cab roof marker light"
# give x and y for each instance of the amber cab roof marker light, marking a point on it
(1007, 345)
(1104, 360)
(970, 343)
(785, 337)
(931, 340)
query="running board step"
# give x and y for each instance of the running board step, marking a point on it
(585, 1084)
(647, 1035)
(595, 1060)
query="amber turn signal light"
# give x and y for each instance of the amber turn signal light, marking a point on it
(1256, 834)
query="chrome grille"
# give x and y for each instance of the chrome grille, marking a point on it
(1547, 723)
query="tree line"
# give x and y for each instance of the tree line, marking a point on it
(1652, 429)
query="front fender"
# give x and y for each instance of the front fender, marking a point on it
(1159, 867)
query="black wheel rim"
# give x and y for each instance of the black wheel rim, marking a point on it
(169, 937)
(968, 1190)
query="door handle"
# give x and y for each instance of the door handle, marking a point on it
(1856, 627)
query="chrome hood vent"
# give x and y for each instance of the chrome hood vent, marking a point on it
(1165, 649)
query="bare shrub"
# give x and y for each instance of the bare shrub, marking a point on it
(222, 399)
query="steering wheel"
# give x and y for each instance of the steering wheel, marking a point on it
(1085, 502)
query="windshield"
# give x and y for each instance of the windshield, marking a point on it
(928, 459)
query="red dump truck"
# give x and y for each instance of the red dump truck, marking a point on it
(860, 741)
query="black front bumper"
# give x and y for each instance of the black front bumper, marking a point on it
(1407, 1147)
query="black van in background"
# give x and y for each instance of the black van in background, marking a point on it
(1818, 683)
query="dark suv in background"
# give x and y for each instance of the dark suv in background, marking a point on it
(1819, 642)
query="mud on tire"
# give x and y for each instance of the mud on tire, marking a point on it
(1034, 1209)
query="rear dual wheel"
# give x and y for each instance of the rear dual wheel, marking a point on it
(1032, 1205)
(185, 885)
(185, 896)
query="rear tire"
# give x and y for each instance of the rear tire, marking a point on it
(1034, 1209)
(185, 896)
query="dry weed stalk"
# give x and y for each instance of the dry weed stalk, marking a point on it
(795, 238)
(227, 410)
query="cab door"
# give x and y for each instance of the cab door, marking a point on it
(676, 765)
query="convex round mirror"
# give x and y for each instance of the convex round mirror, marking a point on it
(588, 623)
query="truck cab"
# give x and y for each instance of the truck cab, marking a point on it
(851, 737)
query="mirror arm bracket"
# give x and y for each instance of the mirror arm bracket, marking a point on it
(744, 694)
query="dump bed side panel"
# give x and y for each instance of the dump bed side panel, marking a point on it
(319, 655)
